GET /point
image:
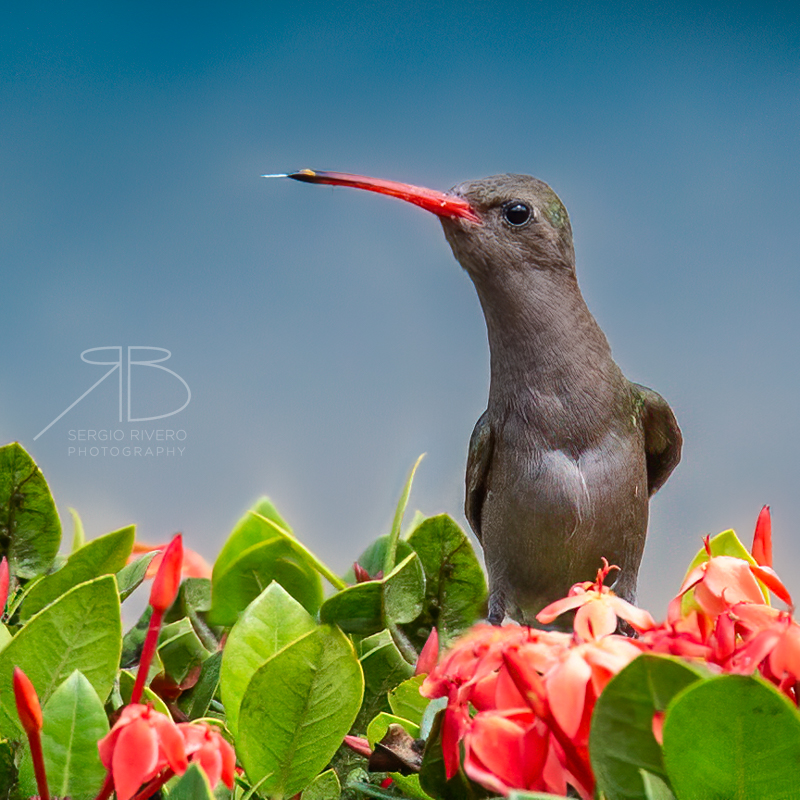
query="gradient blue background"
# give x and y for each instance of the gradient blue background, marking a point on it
(328, 336)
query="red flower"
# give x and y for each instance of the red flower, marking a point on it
(206, 746)
(28, 707)
(30, 715)
(429, 654)
(168, 578)
(506, 750)
(142, 743)
(723, 581)
(194, 565)
(3, 585)
(762, 539)
(598, 608)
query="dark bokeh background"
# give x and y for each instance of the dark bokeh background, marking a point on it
(328, 336)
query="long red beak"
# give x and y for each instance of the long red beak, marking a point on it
(444, 205)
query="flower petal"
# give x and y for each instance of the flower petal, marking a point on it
(762, 539)
(566, 691)
(555, 609)
(595, 619)
(135, 758)
(770, 579)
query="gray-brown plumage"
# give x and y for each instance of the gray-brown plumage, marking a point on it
(563, 462)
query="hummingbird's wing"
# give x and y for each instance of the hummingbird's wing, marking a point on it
(481, 446)
(662, 436)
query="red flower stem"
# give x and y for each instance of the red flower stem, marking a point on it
(106, 788)
(35, 741)
(148, 651)
(153, 785)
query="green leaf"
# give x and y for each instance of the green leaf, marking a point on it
(30, 530)
(81, 630)
(377, 729)
(74, 720)
(192, 785)
(131, 576)
(253, 570)
(325, 786)
(621, 741)
(78, 535)
(270, 623)
(356, 609)
(406, 701)
(655, 788)
(373, 557)
(404, 591)
(296, 710)
(250, 531)
(384, 668)
(455, 586)
(195, 702)
(394, 536)
(732, 736)
(102, 556)
(367, 608)
(180, 650)
(126, 682)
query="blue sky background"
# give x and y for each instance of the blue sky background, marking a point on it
(328, 336)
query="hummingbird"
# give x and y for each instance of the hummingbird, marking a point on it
(562, 464)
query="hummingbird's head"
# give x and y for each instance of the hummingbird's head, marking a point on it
(523, 226)
(513, 223)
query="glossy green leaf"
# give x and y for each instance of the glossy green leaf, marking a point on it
(132, 575)
(253, 570)
(105, 555)
(367, 608)
(78, 534)
(455, 587)
(373, 557)
(81, 630)
(655, 788)
(249, 531)
(73, 721)
(404, 591)
(732, 736)
(296, 710)
(192, 785)
(126, 682)
(356, 609)
(270, 623)
(325, 786)
(621, 742)
(406, 701)
(29, 522)
(384, 668)
(390, 560)
(180, 650)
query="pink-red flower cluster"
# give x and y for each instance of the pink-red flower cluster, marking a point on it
(145, 747)
(520, 700)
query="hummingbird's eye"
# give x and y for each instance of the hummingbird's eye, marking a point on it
(517, 213)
